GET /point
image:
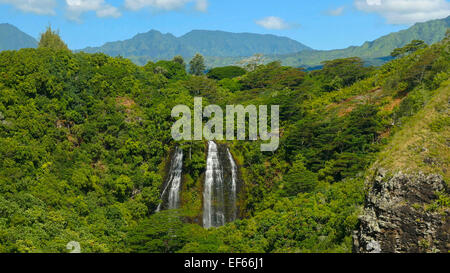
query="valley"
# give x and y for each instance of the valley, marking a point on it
(87, 155)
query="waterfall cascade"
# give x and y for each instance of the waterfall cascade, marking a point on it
(171, 192)
(220, 188)
(234, 180)
(213, 194)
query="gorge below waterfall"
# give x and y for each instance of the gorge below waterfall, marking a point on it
(220, 188)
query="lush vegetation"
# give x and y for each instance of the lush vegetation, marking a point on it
(85, 139)
(226, 72)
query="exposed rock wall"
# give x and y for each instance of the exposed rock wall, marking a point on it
(398, 215)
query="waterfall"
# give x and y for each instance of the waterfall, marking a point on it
(213, 194)
(234, 177)
(220, 188)
(173, 183)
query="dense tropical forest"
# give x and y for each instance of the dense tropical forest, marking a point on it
(85, 144)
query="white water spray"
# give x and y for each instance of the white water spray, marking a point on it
(174, 181)
(234, 178)
(213, 194)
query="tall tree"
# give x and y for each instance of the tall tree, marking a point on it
(447, 35)
(299, 179)
(51, 39)
(250, 64)
(179, 59)
(197, 65)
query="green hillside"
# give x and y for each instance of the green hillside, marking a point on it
(430, 32)
(421, 144)
(154, 45)
(11, 38)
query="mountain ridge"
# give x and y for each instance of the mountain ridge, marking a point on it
(154, 45)
(222, 48)
(12, 38)
(431, 32)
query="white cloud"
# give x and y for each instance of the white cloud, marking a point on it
(76, 8)
(336, 12)
(109, 11)
(276, 23)
(374, 2)
(406, 11)
(200, 5)
(41, 7)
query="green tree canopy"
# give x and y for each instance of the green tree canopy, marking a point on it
(170, 69)
(51, 39)
(409, 48)
(226, 72)
(299, 179)
(179, 59)
(343, 72)
(197, 65)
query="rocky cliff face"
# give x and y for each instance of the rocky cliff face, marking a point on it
(402, 215)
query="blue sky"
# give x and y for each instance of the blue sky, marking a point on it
(320, 24)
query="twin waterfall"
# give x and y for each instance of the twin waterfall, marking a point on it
(220, 189)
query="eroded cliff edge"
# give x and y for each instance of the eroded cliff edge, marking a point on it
(402, 215)
(407, 207)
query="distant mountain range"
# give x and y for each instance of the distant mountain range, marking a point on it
(224, 48)
(11, 38)
(154, 45)
(374, 52)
